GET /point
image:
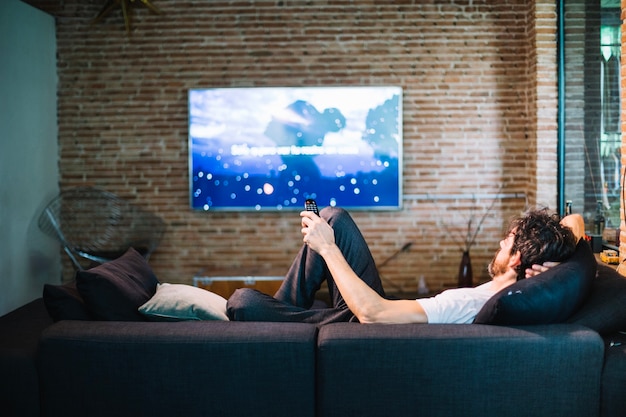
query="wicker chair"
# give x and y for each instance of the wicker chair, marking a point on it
(97, 226)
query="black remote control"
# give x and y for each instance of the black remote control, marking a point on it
(311, 205)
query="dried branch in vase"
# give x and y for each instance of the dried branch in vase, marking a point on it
(465, 236)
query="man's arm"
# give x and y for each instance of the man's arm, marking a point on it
(577, 224)
(364, 302)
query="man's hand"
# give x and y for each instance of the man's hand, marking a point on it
(318, 234)
(538, 269)
(366, 304)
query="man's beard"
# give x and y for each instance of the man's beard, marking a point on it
(497, 267)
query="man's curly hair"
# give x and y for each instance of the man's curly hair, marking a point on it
(540, 237)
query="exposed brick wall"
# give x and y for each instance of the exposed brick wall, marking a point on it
(542, 32)
(479, 82)
(622, 242)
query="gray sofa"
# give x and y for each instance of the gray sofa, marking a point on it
(98, 368)
(127, 367)
(210, 368)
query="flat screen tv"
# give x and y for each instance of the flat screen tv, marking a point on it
(272, 148)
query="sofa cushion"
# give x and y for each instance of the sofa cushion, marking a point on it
(457, 370)
(115, 290)
(177, 302)
(191, 368)
(64, 302)
(605, 309)
(550, 297)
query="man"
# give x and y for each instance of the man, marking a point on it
(336, 251)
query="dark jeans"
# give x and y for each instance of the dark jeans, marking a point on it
(293, 300)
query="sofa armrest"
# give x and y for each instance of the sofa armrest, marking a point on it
(455, 370)
(185, 369)
(19, 337)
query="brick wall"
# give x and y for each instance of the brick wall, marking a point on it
(622, 248)
(479, 85)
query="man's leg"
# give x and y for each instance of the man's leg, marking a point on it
(294, 298)
(247, 304)
(308, 271)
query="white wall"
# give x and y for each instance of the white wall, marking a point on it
(28, 152)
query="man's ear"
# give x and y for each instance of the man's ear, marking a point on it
(515, 260)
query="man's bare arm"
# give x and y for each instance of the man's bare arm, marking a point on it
(577, 224)
(364, 302)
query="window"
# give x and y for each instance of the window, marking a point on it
(589, 112)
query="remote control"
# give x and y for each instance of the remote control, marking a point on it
(311, 205)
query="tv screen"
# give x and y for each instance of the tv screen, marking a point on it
(272, 148)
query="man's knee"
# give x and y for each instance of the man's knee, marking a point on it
(328, 213)
(239, 302)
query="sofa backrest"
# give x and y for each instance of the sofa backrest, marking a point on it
(178, 369)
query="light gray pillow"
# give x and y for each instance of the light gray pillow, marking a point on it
(179, 302)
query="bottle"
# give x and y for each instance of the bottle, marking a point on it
(599, 220)
(568, 207)
(422, 288)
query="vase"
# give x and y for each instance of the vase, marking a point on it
(465, 271)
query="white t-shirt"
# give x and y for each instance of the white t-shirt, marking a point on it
(457, 305)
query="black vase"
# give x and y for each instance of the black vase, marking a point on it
(465, 271)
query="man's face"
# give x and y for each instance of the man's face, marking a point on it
(500, 263)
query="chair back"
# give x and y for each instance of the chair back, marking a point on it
(99, 226)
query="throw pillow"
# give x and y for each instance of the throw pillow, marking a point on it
(177, 302)
(605, 309)
(116, 289)
(550, 297)
(64, 302)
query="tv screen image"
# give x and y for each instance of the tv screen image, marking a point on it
(272, 148)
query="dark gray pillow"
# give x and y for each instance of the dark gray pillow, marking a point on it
(605, 309)
(550, 297)
(63, 302)
(115, 290)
